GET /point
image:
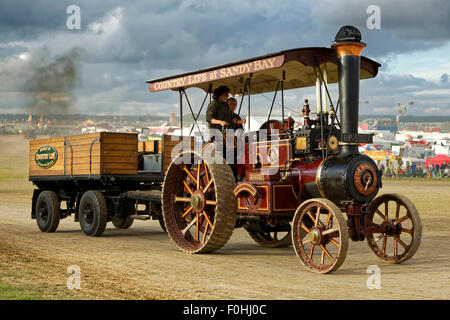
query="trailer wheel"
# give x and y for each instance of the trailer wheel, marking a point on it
(93, 213)
(323, 247)
(122, 222)
(162, 224)
(199, 205)
(157, 209)
(48, 211)
(125, 221)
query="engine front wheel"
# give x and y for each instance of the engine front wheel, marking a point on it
(403, 228)
(320, 235)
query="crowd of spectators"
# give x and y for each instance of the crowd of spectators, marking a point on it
(417, 171)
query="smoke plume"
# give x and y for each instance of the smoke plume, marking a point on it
(53, 81)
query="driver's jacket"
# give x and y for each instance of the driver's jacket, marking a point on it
(219, 110)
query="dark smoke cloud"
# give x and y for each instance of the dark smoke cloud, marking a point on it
(53, 81)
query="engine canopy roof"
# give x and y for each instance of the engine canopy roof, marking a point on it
(294, 67)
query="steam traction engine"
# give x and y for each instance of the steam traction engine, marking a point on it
(309, 187)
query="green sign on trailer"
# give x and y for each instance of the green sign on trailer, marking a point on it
(45, 156)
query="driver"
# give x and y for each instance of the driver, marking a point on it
(218, 113)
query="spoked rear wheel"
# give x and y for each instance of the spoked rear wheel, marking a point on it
(320, 235)
(199, 205)
(403, 228)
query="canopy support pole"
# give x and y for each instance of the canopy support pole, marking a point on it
(210, 92)
(243, 95)
(249, 94)
(336, 114)
(273, 101)
(282, 97)
(332, 110)
(193, 115)
(181, 110)
(198, 114)
(319, 107)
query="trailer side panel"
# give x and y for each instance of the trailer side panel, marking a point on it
(102, 153)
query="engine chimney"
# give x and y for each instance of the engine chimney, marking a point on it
(348, 47)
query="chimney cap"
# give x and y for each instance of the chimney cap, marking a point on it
(348, 34)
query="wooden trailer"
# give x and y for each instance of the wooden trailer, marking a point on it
(104, 176)
(87, 154)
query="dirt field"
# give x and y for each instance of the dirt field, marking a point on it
(142, 263)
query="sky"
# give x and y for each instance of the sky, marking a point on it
(121, 44)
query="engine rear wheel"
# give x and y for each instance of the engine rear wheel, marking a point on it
(403, 227)
(93, 213)
(199, 205)
(48, 211)
(323, 245)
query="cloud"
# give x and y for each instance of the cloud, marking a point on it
(125, 44)
(388, 89)
(405, 19)
(432, 110)
(108, 24)
(386, 110)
